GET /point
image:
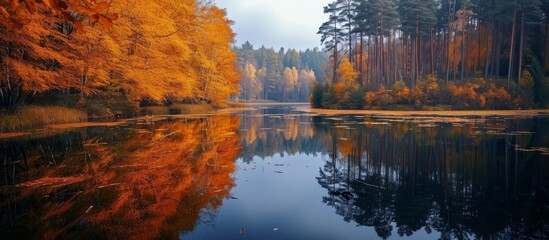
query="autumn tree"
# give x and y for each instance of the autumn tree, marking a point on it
(347, 73)
(291, 77)
(157, 51)
(14, 14)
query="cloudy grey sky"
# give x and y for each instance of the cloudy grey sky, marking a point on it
(276, 23)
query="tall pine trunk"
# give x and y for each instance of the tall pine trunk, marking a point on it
(520, 48)
(512, 47)
(361, 69)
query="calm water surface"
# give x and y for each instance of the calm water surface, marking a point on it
(276, 173)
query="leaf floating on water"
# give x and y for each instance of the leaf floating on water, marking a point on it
(89, 209)
(541, 150)
(53, 181)
(428, 125)
(108, 185)
(521, 133)
(376, 123)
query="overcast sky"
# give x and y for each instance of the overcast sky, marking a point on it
(276, 23)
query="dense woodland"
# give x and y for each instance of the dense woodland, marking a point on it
(284, 75)
(115, 53)
(461, 53)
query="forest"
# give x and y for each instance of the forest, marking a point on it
(283, 76)
(449, 54)
(111, 57)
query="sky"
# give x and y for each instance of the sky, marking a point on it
(276, 23)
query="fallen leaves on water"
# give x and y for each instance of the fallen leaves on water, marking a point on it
(52, 181)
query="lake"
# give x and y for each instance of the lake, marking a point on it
(275, 172)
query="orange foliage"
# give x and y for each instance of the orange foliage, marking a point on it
(369, 98)
(18, 13)
(340, 88)
(162, 50)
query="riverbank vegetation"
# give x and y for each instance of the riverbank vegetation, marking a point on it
(449, 54)
(107, 59)
(33, 117)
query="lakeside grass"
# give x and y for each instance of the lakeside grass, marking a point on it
(33, 117)
(180, 108)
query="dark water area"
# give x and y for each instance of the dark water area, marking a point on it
(277, 173)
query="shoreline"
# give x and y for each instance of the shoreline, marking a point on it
(302, 107)
(452, 113)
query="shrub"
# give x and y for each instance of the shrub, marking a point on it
(400, 92)
(329, 99)
(369, 98)
(356, 100)
(316, 95)
(498, 98)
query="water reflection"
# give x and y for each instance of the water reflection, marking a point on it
(307, 176)
(466, 179)
(155, 180)
(277, 131)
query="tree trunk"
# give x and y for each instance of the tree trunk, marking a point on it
(361, 60)
(432, 52)
(520, 49)
(449, 53)
(418, 52)
(489, 49)
(462, 55)
(497, 57)
(512, 47)
(546, 55)
(350, 33)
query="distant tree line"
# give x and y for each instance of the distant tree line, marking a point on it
(476, 54)
(284, 75)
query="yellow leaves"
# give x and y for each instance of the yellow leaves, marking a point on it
(347, 72)
(340, 88)
(292, 77)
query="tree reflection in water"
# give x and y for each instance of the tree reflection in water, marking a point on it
(155, 181)
(457, 178)
(464, 179)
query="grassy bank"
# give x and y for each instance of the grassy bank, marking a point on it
(33, 117)
(30, 117)
(179, 108)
